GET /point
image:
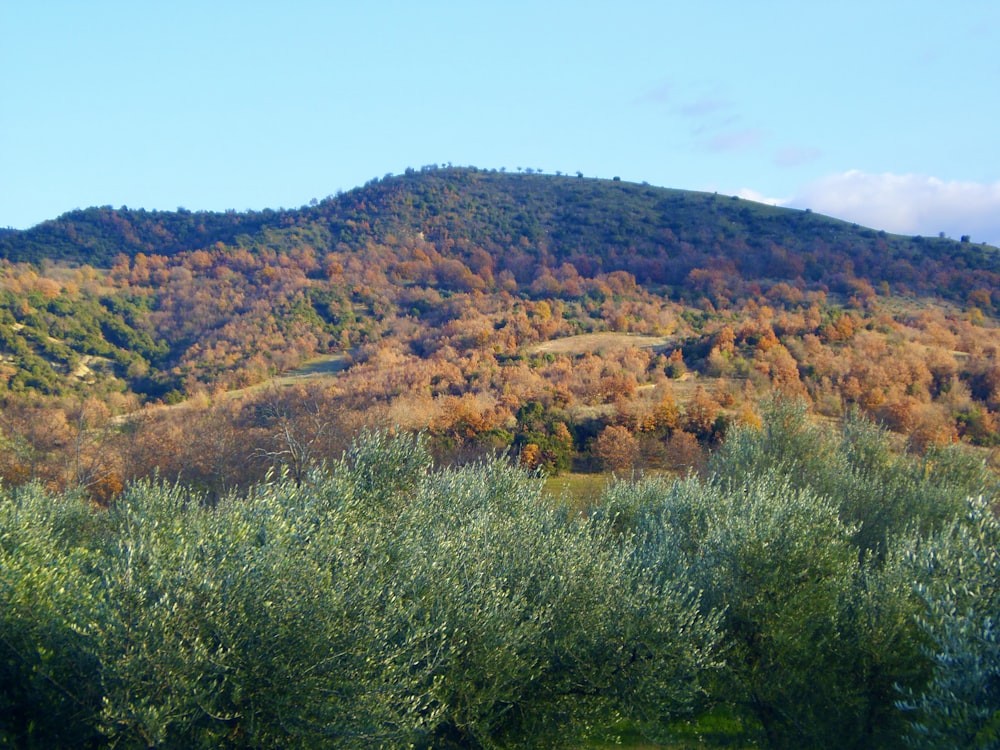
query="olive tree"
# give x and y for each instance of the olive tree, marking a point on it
(960, 707)
(383, 604)
(49, 665)
(880, 493)
(537, 623)
(787, 537)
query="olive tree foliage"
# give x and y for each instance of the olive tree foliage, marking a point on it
(810, 657)
(960, 707)
(220, 624)
(826, 590)
(262, 621)
(802, 536)
(378, 604)
(547, 626)
(48, 620)
(879, 492)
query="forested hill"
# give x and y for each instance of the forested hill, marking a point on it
(526, 223)
(480, 305)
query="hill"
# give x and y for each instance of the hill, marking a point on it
(527, 222)
(440, 283)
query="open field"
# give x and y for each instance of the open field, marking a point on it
(598, 343)
(318, 367)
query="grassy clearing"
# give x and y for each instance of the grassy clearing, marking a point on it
(324, 366)
(579, 491)
(598, 343)
(583, 491)
(718, 728)
(329, 364)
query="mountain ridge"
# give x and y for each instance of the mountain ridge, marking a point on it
(561, 218)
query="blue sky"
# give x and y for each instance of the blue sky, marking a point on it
(882, 112)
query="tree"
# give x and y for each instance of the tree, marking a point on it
(299, 427)
(50, 619)
(531, 456)
(616, 448)
(701, 417)
(780, 564)
(960, 707)
(33, 441)
(814, 640)
(684, 453)
(859, 604)
(549, 608)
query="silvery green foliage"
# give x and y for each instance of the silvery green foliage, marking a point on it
(779, 564)
(385, 604)
(960, 707)
(379, 605)
(817, 633)
(384, 469)
(219, 622)
(888, 504)
(534, 624)
(48, 620)
(879, 493)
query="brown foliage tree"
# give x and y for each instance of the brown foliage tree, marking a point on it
(700, 415)
(616, 448)
(684, 453)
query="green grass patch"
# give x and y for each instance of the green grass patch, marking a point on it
(580, 491)
(329, 364)
(718, 728)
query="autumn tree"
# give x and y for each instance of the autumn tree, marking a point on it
(616, 448)
(701, 416)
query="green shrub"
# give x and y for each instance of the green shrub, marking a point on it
(535, 624)
(880, 493)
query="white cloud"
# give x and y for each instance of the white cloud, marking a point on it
(753, 195)
(907, 204)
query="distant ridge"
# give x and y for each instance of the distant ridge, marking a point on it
(531, 222)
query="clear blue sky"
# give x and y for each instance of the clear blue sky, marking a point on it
(884, 112)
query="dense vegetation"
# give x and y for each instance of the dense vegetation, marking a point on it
(197, 551)
(451, 298)
(815, 588)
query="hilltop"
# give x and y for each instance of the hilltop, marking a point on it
(437, 286)
(527, 222)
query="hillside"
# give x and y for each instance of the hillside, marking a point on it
(526, 222)
(439, 284)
